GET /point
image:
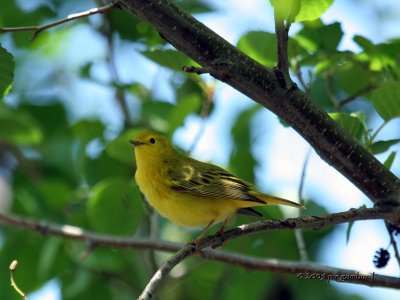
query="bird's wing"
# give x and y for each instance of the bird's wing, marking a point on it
(207, 180)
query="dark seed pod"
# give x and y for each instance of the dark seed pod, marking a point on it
(381, 258)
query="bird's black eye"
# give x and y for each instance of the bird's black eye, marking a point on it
(152, 140)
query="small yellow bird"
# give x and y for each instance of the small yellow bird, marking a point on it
(190, 192)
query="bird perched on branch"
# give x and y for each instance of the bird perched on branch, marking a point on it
(190, 192)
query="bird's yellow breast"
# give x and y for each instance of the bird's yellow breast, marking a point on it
(182, 208)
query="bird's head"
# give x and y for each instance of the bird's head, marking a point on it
(150, 143)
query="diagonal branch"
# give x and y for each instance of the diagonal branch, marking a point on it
(164, 270)
(38, 29)
(233, 67)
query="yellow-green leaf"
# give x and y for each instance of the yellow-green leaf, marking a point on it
(386, 100)
(115, 206)
(350, 123)
(7, 66)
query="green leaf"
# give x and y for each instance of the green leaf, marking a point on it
(189, 98)
(194, 6)
(389, 160)
(171, 59)
(155, 114)
(133, 29)
(120, 148)
(115, 206)
(19, 128)
(7, 66)
(317, 37)
(352, 124)
(259, 45)
(364, 43)
(353, 79)
(52, 259)
(286, 10)
(88, 130)
(382, 146)
(319, 92)
(350, 226)
(105, 166)
(56, 192)
(312, 9)
(386, 100)
(242, 161)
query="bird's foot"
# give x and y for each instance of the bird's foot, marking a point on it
(220, 233)
(196, 245)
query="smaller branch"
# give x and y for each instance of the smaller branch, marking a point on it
(38, 29)
(389, 213)
(394, 243)
(119, 91)
(164, 270)
(357, 94)
(303, 270)
(306, 87)
(197, 70)
(298, 233)
(330, 91)
(282, 37)
(209, 98)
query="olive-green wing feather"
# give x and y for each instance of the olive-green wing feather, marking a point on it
(207, 180)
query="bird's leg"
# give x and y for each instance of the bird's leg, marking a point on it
(221, 233)
(202, 234)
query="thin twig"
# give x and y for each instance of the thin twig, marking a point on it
(12, 268)
(282, 37)
(164, 270)
(298, 233)
(306, 87)
(197, 70)
(304, 270)
(357, 94)
(330, 91)
(209, 98)
(119, 91)
(38, 29)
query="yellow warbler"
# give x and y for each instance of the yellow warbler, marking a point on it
(190, 192)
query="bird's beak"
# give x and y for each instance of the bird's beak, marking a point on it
(136, 143)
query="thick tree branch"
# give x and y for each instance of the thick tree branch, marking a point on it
(230, 65)
(38, 29)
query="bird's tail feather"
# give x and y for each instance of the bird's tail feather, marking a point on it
(272, 200)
